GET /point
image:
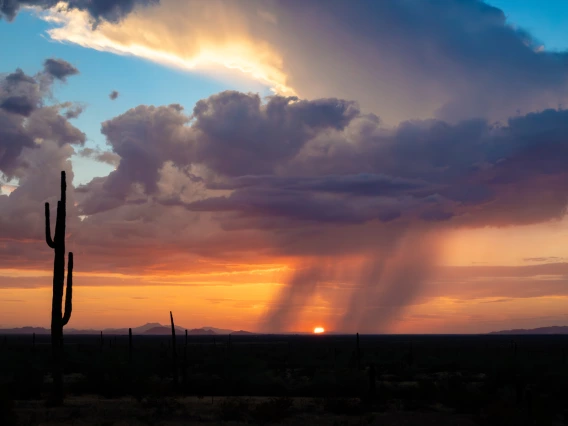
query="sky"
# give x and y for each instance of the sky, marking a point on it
(271, 165)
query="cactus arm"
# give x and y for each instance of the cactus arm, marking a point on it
(48, 239)
(68, 291)
(56, 238)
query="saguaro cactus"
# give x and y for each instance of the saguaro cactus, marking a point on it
(59, 318)
(174, 351)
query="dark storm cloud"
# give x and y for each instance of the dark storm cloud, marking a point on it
(255, 138)
(231, 133)
(19, 93)
(361, 184)
(59, 69)
(428, 58)
(18, 105)
(324, 160)
(108, 10)
(319, 178)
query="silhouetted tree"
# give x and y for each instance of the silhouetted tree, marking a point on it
(58, 318)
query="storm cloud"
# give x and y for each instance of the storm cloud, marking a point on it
(325, 160)
(400, 59)
(108, 10)
(322, 180)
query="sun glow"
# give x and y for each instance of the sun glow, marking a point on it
(148, 34)
(319, 330)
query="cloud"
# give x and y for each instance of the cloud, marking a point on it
(321, 182)
(59, 69)
(113, 95)
(395, 58)
(103, 156)
(285, 163)
(20, 93)
(25, 120)
(108, 10)
(74, 110)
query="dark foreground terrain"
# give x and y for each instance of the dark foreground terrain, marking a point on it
(295, 380)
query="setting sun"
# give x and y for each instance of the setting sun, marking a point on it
(319, 330)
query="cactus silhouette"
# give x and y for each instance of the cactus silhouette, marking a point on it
(130, 345)
(174, 351)
(58, 318)
(358, 354)
(184, 366)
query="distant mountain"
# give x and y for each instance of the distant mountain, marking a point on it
(25, 330)
(143, 328)
(158, 331)
(556, 329)
(218, 330)
(146, 329)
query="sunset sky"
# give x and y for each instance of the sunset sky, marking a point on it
(395, 166)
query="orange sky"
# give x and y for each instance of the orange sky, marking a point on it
(238, 298)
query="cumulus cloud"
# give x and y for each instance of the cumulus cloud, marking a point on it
(25, 120)
(59, 69)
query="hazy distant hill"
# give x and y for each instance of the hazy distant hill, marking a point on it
(146, 329)
(556, 329)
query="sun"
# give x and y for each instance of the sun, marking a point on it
(319, 330)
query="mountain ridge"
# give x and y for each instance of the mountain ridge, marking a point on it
(554, 329)
(146, 329)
